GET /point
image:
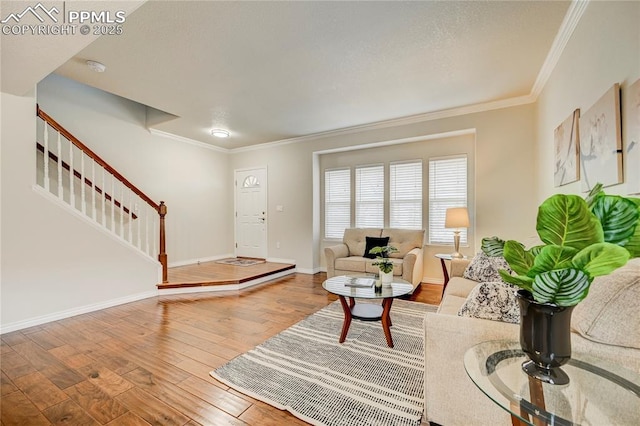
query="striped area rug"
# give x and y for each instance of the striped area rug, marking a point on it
(361, 382)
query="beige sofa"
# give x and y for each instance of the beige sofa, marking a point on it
(347, 258)
(605, 325)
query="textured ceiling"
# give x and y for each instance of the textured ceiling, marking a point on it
(270, 71)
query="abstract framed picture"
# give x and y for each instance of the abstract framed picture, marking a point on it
(566, 138)
(632, 139)
(601, 142)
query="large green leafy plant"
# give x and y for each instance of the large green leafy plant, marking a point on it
(582, 239)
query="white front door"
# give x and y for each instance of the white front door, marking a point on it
(251, 213)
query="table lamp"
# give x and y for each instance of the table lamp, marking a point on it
(457, 217)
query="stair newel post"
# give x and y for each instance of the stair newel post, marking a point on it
(46, 156)
(162, 256)
(59, 146)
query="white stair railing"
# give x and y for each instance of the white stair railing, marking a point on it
(98, 191)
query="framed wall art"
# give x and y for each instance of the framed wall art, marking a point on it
(601, 141)
(632, 140)
(566, 138)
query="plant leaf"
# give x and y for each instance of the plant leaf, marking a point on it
(492, 246)
(518, 258)
(600, 259)
(565, 220)
(552, 257)
(535, 250)
(619, 217)
(521, 281)
(595, 192)
(633, 244)
(564, 287)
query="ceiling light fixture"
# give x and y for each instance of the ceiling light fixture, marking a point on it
(220, 133)
(96, 66)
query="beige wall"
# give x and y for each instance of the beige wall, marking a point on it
(505, 184)
(604, 49)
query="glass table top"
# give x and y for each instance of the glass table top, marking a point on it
(339, 286)
(598, 393)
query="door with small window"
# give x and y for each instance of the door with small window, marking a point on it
(251, 212)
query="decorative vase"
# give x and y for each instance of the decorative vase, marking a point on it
(545, 337)
(386, 278)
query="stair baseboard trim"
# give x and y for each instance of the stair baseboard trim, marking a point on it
(78, 214)
(277, 260)
(199, 260)
(227, 287)
(32, 322)
(309, 271)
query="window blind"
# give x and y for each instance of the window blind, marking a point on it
(447, 188)
(337, 202)
(370, 196)
(405, 195)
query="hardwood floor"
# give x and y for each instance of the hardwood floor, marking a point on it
(148, 362)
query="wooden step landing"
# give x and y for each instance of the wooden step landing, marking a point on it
(218, 274)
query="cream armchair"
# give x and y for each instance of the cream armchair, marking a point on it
(348, 257)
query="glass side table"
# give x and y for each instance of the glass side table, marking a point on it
(598, 393)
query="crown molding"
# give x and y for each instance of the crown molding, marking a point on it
(188, 140)
(568, 26)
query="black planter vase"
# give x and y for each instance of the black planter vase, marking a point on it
(545, 337)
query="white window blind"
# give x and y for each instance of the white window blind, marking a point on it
(337, 202)
(405, 195)
(447, 188)
(370, 196)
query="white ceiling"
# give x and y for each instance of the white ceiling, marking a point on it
(270, 71)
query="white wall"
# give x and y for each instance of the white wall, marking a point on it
(53, 263)
(193, 181)
(505, 182)
(604, 49)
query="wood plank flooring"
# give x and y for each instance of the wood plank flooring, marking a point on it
(148, 362)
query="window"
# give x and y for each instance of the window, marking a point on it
(405, 195)
(370, 196)
(447, 188)
(337, 202)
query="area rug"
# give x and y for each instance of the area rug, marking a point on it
(238, 261)
(305, 371)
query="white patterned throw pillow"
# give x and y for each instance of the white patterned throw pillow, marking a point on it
(483, 268)
(493, 301)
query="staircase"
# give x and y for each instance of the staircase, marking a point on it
(79, 178)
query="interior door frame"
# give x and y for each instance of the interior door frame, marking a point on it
(235, 207)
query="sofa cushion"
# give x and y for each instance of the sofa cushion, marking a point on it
(460, 287)
(372, 242)
(493, 301)
(485, 268)
(450, 305)
(609, 314)
(404, 240)
(355, 239)
(351, 263)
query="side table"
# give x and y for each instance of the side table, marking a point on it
(598, 393)
(445, 271)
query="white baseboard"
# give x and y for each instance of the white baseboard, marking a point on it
(308, 271)
(200, 260)
(19, 325)
(432, 280)
(277, 260)
(226, 287)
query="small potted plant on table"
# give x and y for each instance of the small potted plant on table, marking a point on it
(384, 263)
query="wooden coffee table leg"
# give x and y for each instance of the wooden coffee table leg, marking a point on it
(347, 318)
(386, 319)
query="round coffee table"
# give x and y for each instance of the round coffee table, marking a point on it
(340, 286)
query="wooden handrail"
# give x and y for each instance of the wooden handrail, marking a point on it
(160, 208)
(87, 181)
(64, 132)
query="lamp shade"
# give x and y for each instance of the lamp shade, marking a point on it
(457, 217)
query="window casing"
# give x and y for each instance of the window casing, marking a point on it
(337, 202)
(447, 188)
